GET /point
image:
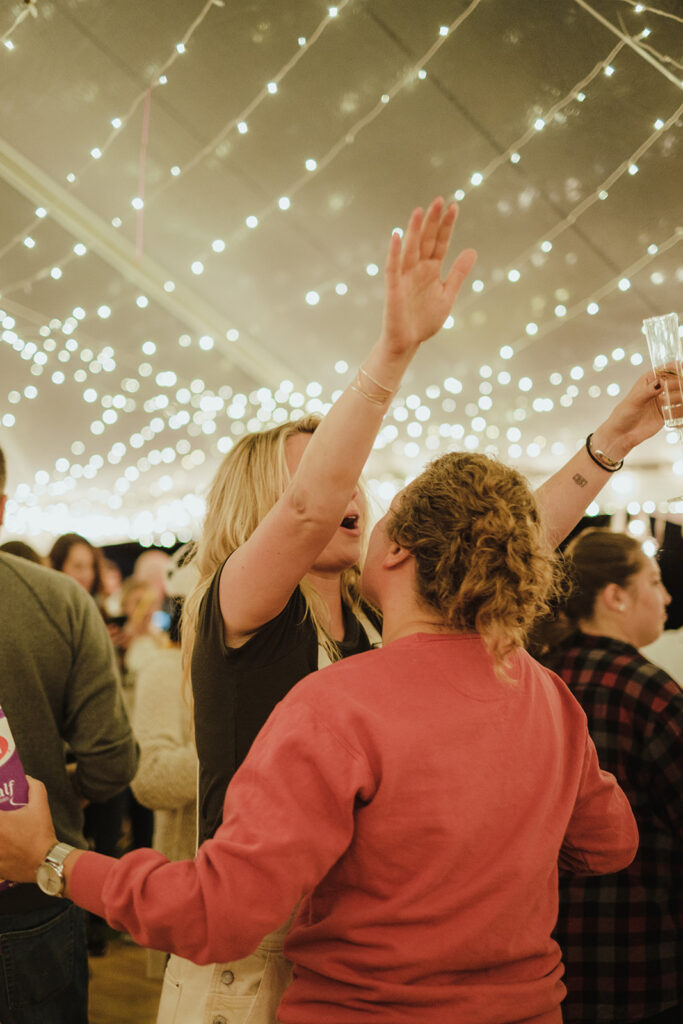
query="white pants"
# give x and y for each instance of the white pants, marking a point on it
(240, 992)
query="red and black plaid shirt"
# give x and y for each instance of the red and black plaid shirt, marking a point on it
(622, 934)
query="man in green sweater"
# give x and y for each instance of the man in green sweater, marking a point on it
(60, 692)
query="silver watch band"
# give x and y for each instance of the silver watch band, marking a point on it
(57, 854)
(50, 873)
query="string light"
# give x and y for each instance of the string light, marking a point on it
(240, 121)
(30, 8)
(117, 123)
(643, 50)
(313, 166)
(639, 8)
(532, 447)
(621, 282)
(600, 192)
(512, 153)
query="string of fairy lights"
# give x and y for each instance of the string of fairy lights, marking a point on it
(119, 123)
(313, 166)
(536, 253)
(640, 7)
(513, 154)
(30, 8)
(189, 407)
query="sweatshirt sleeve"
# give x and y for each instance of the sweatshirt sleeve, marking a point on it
(602, 835)
(288, 816)
(96, 724)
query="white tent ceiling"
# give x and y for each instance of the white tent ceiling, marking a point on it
(138, 344)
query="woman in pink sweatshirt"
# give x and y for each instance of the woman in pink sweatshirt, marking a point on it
(416, 799)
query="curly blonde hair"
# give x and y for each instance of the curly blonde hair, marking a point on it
(482, 561)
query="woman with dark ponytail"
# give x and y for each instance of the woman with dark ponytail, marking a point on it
(621, 934)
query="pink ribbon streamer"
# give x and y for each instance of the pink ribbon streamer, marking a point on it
(144, 139)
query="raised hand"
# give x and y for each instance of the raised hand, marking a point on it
(417, 299)
(564, 497)
(638, 415)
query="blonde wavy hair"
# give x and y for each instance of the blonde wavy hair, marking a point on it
(473, 528)
(249, 481)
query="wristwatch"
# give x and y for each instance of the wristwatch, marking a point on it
(50, 874)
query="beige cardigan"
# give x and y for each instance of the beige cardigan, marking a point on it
(166, 779)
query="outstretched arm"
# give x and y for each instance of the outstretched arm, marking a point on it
(289, 816)
(260, 576)
(564, 497)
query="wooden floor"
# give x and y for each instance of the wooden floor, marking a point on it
(120, 991)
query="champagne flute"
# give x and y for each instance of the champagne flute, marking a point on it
(666, 355)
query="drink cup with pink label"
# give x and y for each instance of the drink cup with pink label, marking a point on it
(13, 784)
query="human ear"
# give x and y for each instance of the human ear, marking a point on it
(395, 556)
(614, 597)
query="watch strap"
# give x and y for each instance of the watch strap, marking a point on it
(57, 854)
(50, 874)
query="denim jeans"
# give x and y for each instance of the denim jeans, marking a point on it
(44, 966)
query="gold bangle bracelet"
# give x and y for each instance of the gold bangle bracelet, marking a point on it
(382, 387)
(379, 400)
(376, 399)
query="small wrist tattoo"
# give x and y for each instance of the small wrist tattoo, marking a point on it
(580, 480)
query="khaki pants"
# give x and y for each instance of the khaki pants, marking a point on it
(240, 992)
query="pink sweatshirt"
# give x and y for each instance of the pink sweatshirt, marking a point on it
(418, 806)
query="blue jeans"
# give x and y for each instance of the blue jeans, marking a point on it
(44, 966)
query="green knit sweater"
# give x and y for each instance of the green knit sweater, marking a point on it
(60, 691)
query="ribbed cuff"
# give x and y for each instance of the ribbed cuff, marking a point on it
(87, 879)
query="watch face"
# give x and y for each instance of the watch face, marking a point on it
(49, 879)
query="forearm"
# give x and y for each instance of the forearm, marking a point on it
(100, 776)
(182, 907)
(416, 304)
(563, 498)
(334, 459)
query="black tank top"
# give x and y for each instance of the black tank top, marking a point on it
(235, 689)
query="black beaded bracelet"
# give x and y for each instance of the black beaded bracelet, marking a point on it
(602, 460)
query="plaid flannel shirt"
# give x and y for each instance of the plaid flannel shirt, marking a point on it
(622, 934)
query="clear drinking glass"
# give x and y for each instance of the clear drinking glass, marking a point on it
(666, 355)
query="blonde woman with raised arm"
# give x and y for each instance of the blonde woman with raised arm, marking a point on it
(278, 582)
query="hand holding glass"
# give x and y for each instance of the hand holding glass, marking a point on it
(666, 354)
